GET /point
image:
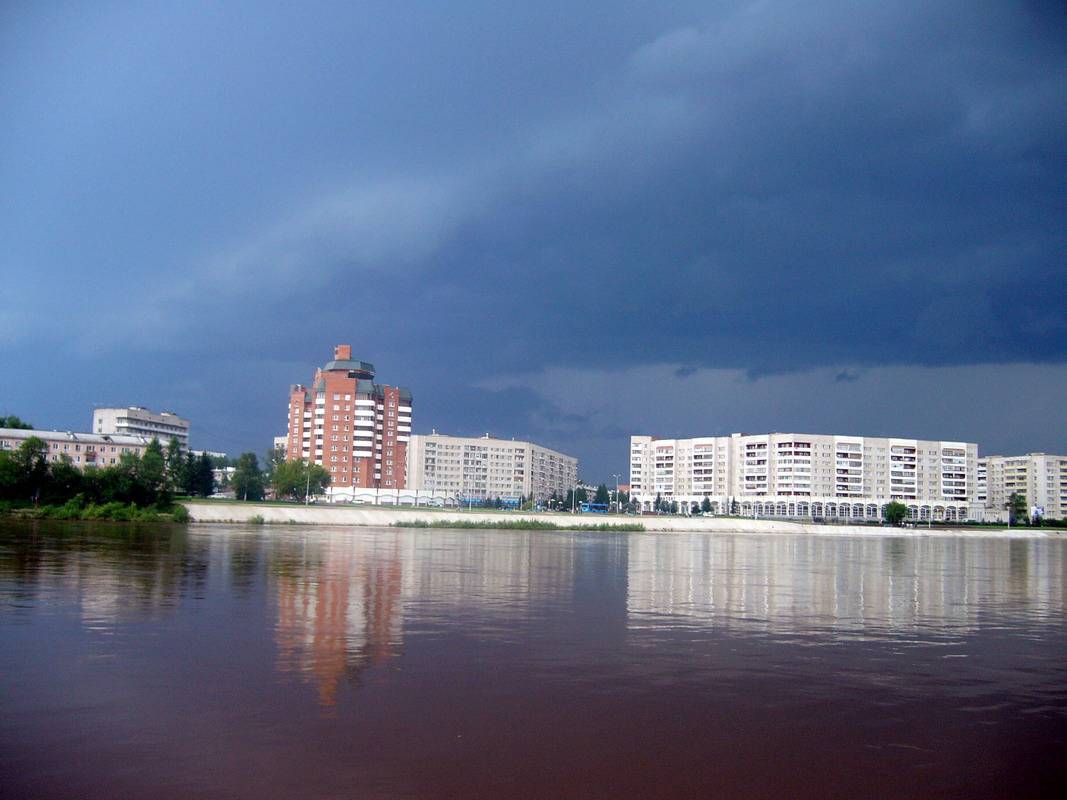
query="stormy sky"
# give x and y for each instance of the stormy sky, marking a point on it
(569, 222)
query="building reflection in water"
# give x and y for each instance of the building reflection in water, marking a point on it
(340, 608)
(342, 598)
(785, 583)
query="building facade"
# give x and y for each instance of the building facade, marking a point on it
(138, 421)
(808, 476)
(478, 468)
(1039, 477)
(358, 430)
(83, 449)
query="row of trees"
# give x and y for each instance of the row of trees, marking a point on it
(292, 480)
(672, 506)
(573, 498)
(151, 479)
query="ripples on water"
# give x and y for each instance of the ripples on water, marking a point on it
(254, 662)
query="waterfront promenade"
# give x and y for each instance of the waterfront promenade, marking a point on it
(345, 515)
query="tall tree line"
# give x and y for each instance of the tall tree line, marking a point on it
(153, 478)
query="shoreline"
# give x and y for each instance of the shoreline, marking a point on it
(378, 516)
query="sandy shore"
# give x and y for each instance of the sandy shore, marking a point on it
(384, 516)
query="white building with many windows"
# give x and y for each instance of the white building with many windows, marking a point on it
(138, 421)
(479, 468)
(808, 475)
(1039, 477)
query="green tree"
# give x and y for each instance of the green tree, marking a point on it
(674, 507)
(602, 495)
(204, 476)
(152, 470)
(292, 478)
(64, 482)
(188, 474)
(275, 456)
(32, 466)
(658, 505)
(9, 476)
(175, 461)
(247, 480)
(16, 423)
(895, 512)
(705, 506)
(694, 509)
(1017, 511)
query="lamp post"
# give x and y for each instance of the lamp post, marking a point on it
(616, 476)
(307, 488)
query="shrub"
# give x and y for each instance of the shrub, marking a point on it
(179, 513)
(257, 519)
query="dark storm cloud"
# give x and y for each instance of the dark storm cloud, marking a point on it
(474, 191)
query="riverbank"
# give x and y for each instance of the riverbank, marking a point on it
(381, 516)
(73, 510)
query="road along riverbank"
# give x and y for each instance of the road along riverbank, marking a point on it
(379, 516)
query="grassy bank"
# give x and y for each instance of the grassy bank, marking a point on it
(115, 512)
(521, 525)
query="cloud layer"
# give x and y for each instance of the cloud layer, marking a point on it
(762, 187)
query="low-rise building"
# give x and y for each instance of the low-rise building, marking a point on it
(138, 421)
(808, 475)
(477, 468)
(83, 449)
(1039, 477)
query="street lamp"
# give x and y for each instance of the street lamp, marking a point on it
(618, 507)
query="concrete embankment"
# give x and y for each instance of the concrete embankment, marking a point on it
(385, 516)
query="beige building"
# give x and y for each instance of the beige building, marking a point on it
(807, 475)
(484, 467)
(1041, 478)
(83, 449)
(138, 421)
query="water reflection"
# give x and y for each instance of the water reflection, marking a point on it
(340, 610)
(273, 661)
(791, 583)
(112, 572)
(342, 599)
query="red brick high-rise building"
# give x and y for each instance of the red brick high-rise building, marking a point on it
(355, 428)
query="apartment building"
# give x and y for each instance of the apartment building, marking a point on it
(357, 429)
(83, 449)
(139, 421)
(1039, 477)
(485, 467)
(807, 475)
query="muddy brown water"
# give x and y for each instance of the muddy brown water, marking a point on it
(279, 661)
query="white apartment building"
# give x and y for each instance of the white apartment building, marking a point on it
(138, 421)
(83, 449)
(1041, 478)
(484, 467)
(808, 475)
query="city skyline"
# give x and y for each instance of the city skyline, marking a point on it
(691, 221)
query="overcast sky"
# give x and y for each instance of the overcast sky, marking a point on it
(569, 222)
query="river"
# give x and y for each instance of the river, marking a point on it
(294, 661)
